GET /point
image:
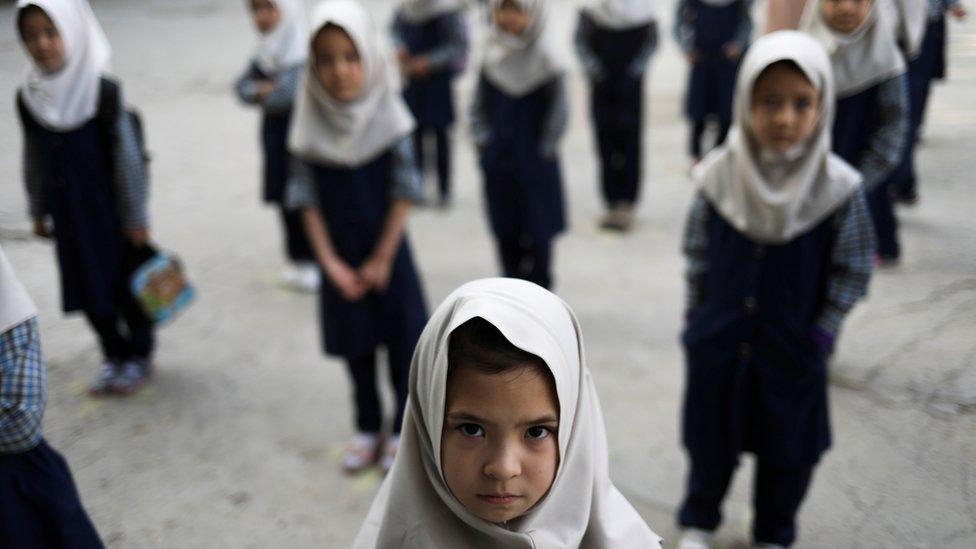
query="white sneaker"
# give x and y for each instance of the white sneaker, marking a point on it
(360, 452)
(693, 538)
(289, 276)
(307, 277)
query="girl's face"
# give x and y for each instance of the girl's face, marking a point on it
(266, 15)
(337, 64)
(845, 16)
(499, 447)
(511, 19)
(785, 108)
(42, 39)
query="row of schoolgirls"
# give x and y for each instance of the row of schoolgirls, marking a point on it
(779, 242)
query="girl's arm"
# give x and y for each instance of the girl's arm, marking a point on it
(743, 33)
(301, 195)
(131, 180)
(695, 248)
(453, 52)
(34, 185)
(280, 99)
(885, 148)
(684, 33)
(478, 116)
(246, 85)
(407, 189)
(851, 265)
(639, 64)
(556, 119)
(581, 41)
(22, 388)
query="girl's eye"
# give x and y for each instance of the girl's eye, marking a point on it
(538, 432)
(471, 430)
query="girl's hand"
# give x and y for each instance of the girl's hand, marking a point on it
(40, 228)
(732, 51)
(265, 87)
(375, 273)
(692, 56)
(958, 11)
(349, 283)
(139, 237)
(403, 57)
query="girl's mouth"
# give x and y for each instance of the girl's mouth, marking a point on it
(498, 499)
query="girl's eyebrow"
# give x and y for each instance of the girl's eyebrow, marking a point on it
(467, 416)
(547, 419)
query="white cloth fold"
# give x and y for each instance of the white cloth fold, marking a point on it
(68, 98)
(862, 58)
(350, 134)
(520, 64)
(286, 45)
(771, 197)
(621, 14)
(415, 509)
(16, 305)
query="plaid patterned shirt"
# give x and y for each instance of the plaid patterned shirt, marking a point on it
(851, 258)
(22, 388)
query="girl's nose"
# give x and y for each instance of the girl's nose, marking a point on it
(503, 463)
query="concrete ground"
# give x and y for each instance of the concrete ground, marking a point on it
(235, 443)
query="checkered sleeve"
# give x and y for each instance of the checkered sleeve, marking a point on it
(22, 388)
(581, 43)
(300, 191)
(407, 183)
(885, 148)
(286, 85)
(454, 51)
(33, 178)
(131, 179)
(695, 248)
(850, 263)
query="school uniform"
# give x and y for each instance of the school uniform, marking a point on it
(352, 163)
(518, 114)
(279, 59)
(779, 249)
(705, 27)
(84, 170)
(39, 504)
(872, 111)
(435, 31)
(614, 47)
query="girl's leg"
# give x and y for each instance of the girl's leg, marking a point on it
(723, 131)
(510, 254)
(114, 346)
(142, 337)
(630, 145)
(296, 242)
(539, 259)
(369, 412)
(605, 144)
(418, 150)
(443, 163)
(777, 496)
(885, 222)
(697, 130)
(400, 356)
(707, 485)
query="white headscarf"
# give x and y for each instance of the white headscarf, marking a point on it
(620, 14)
(416, 510)
(861, 59)
(909, 20)
(15, 304)
(327, 130)
(520, 64)
(66, 99)
(420, 11)
(779, 197)
(286, 45)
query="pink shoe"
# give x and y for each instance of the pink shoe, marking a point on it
(360, 452)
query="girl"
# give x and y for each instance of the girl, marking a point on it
(872, 101)
(713, 34)
(779, 249)
(269, 83)
(504, 442)
(927, 66)
(84, 170)
(354, 179)
(614, 40)
(518, 114)
(39, 505)
(432, 48)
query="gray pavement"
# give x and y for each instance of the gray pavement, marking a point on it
(235, 443)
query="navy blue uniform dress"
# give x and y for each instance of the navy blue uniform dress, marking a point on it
(523, 189)
(355, 204)
(431, 98)
(39, 504)
(94, 257)
(711, 86)
(617, 107)
(757, 381)
(855, 123)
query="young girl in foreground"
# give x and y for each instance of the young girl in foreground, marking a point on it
(504, 444)
(872, 101)
(518, 115)
(779, 248)
(84, 171)
(269, 83)
(354, 179)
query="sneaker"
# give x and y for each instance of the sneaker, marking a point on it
(289, 276)
(767, 546)
(103, 381)
(693, 538)
(360, 452)
(308, 278)
(390, 448)
(134, 374)
(620, 218)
